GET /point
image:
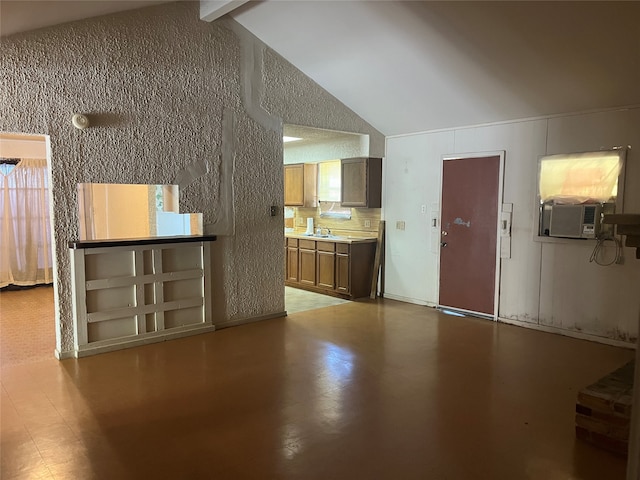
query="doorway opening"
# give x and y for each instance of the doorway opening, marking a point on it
(27, 274)
(312, 204)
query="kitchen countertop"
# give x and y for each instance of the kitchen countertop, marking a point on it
(332, 238)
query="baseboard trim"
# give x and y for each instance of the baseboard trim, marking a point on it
(244, 321)
(87, 350)
(63, 355)
(568, 333)
(534, 326)
(415, 301)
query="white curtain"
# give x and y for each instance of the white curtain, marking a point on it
(25, 232)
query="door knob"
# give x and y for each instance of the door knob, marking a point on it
(445, 233)
(443, 244)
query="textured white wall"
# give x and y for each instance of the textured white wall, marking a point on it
(293, 96)
(155, 83)
(549, 284)
(358, 146)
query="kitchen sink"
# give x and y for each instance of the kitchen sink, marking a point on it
(324, 235)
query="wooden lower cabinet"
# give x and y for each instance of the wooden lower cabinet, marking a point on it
(326, 270)
(307, 262)
(292, 264)
(291, 269)
(339, 269)
(342, 273)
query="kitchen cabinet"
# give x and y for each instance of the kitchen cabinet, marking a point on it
(307, 262)
(361, 182)
(301, 185)
(292, 259)
(325, 264)
(340, 268)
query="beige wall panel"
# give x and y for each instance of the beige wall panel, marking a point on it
(547, 283)
(575, 294)
(584, 297)
(523, 143)
(411, 177)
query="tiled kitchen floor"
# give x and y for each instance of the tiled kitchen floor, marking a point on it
(298, 300)
(361, 390)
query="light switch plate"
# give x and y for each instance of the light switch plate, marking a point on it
(505, 224)
(367, 224)
(400, 225)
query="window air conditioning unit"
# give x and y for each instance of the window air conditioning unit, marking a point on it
(575, 221)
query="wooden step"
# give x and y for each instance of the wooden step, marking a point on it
(603, 410)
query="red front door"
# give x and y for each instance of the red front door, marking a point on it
(469, 223)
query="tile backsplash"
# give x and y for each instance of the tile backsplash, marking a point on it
(363, 221)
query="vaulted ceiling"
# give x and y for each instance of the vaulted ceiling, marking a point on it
(24, 15)
(417, 66)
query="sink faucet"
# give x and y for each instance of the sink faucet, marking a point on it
(321, 231)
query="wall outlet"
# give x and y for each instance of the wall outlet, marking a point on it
(367, 224)
(300, 221)
(423, 209)
(400, 225)
(273, 210)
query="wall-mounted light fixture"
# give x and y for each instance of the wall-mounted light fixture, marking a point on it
(80, 121)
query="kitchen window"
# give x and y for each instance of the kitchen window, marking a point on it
(329, 182)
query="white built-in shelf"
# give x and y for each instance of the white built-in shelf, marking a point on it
(132, 292)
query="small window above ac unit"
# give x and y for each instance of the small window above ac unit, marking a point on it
(576, 189)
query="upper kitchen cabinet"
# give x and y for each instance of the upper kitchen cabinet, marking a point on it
(361, 182)
(301, 185)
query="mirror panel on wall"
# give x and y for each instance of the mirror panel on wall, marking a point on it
(122, 211)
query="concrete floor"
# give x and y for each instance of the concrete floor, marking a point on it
(371, 390)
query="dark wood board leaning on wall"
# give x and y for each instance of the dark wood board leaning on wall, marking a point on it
(377, 261)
